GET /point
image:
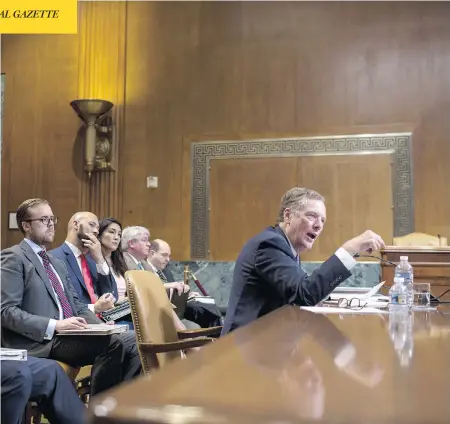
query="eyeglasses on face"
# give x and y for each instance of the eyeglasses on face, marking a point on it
(354, 303)
(46, 220)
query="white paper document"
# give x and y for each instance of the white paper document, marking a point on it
(13, 354)
(96, 330)
(362, 296)
(368, 299)
(337, 310)
(204, 299)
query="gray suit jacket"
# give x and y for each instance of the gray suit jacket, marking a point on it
(132, 265)
(28, 301)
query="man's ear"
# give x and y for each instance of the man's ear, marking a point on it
(287, 215)
(25, 225)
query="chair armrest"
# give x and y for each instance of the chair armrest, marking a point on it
(210, 331)
(170, 347)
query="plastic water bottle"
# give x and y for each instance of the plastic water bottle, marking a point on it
(405, 270)
(398, 295)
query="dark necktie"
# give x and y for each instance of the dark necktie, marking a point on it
(67, 309)
(161, 276)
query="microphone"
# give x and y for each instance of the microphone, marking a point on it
(358, 255)
(198, 284)
(433, 299)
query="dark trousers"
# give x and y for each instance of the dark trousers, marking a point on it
(204, 314)
(43, 381)
(113, 358)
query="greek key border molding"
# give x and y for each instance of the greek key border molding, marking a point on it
(398, 144)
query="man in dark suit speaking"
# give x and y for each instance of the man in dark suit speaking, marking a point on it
(268, 274)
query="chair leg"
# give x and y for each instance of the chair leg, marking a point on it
(27, 414)
(83, 388)
(37, 418)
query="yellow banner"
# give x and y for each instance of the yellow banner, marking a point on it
(38, 17)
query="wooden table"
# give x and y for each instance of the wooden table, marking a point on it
(294, 366)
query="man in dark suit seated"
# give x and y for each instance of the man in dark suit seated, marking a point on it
(87, 268)
(38, 300)
(268, 272)
(42, 381)
(205, 315)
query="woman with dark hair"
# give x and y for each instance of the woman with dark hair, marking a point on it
(109, 235)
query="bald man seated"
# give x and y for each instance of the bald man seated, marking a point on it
(88, 271)
(204, 315)
(91, 278)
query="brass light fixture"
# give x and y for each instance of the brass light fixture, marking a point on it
(98, 139)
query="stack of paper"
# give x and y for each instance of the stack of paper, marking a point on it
(13, 354)
(370, 299)
(204, 299)
(337, 310)
(96, 330)
(369, 303)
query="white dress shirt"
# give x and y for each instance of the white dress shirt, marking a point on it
(347, 260)
(102, 268)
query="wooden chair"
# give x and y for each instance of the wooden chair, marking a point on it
(158, 340)
(420, 239)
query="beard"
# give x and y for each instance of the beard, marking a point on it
(81, 233)
(44, 239)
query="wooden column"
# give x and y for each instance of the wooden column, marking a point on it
(101, 74)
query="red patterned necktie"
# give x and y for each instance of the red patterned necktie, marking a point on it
(88, 278)
(67, 309)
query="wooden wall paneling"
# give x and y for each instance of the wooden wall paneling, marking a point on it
(101, 75)
(244, 198)
(358, 193)
(161, 54)
(396, 144)
(39, 126)
(233, 70)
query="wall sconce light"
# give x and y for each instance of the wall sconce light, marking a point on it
(98, 140)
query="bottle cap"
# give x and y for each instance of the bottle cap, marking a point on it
(399, 280)
(403, 258)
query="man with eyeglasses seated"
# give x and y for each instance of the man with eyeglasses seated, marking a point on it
(268, 272)
(38, 300)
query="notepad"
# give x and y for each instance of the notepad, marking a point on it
(95, 330)
(13, 354)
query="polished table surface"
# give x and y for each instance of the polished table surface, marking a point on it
(294, 366)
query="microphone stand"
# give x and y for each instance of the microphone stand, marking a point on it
(358, 255)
